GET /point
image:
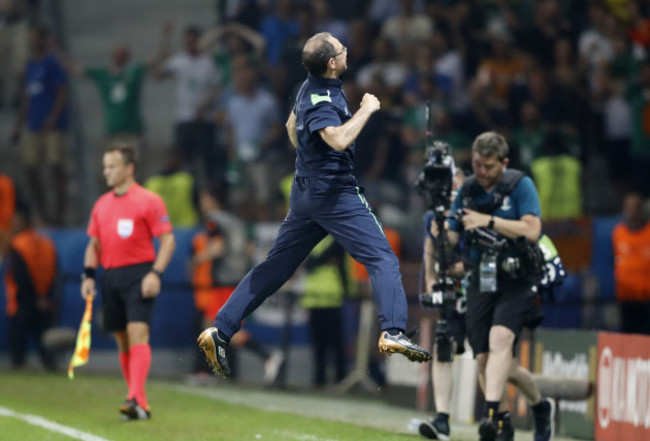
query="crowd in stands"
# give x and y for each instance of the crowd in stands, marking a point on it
(566, 81)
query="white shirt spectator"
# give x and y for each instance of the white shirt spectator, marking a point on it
(595, 47)
(617, 118)
(451, 65)
(251, 118)
(402, 30)
(392, 74)
(196, 78)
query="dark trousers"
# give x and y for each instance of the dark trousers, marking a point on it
(24, 328)
(320, 206)
(326, 329)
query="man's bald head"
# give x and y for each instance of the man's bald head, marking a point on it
(317, 52)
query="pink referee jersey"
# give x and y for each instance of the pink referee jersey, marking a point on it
(126, 224)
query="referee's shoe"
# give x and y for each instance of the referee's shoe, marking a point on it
(399, 343)
(131, 410)
(215, 351)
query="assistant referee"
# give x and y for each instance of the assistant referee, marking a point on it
(122, 226)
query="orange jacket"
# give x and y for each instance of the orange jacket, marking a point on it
(207, 297)
(632, 262)
(7, 202)
(32, 270)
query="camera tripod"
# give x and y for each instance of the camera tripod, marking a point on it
(443, 291)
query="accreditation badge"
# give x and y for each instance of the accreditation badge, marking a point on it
(124, 228)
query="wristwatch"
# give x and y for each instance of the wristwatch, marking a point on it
(491, 223)
(158, 273)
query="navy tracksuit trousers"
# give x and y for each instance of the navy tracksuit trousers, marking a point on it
(320, 206)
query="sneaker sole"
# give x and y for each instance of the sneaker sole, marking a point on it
(411, 354)
(210, 350)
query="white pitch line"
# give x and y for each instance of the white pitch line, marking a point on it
(36, 420)
(301, 436)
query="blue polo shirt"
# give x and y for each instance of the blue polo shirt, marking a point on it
(321, 103)
(42, 78)
(523, 200)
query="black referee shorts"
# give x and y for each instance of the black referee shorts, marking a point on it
(511, 306)
(122, 297)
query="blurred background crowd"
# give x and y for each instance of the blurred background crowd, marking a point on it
(564, 80)
(202, 89)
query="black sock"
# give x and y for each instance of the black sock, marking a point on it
(393, 331)
(490, 409)
(223, 337)
(504, 416)
(539, 407)
(444, 417)
(256, 349)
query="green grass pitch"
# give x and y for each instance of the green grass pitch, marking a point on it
(88, 406)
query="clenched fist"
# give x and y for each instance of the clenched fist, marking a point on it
(370, 102)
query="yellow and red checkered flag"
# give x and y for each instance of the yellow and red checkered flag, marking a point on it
(82, 349)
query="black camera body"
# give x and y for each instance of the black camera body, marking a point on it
(435, 181)
(517, 257)
(486, 240)
(444, 294)
(435, 185)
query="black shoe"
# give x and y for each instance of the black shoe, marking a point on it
(215, 351)
(435, 429)
(544, 414)
(487, 430)
(505, 430)
(400, 344)
(131, 410)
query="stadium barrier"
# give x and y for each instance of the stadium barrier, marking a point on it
(623, 387)
(565, 369)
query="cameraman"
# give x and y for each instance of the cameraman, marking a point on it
(498, 303)
(453, 336)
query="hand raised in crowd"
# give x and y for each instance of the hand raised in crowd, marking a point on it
(150, 285)
(88, 288)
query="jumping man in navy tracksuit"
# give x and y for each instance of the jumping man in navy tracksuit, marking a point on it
(324, 199)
